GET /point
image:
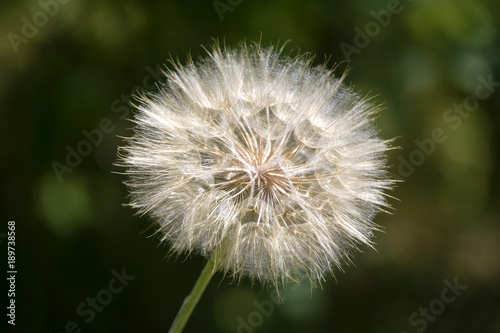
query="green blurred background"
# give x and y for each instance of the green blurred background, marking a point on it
(85, 58)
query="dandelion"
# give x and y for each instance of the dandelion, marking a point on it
(265, 163)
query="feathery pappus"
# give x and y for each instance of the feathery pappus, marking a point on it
(271, 158)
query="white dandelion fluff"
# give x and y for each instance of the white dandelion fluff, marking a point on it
(272, 158)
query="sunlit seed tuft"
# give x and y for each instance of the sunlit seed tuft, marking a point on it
(275, 160)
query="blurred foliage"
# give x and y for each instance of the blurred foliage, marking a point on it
(84, 61)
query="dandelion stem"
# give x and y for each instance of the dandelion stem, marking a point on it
(191, 300)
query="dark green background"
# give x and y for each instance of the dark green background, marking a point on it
(91, 55)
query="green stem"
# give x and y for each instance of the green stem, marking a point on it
(191, 301)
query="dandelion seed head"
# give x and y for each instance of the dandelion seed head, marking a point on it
(274, 159)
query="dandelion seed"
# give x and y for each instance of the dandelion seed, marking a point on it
(272, 158)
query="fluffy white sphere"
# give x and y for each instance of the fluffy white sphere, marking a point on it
(274, 160)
